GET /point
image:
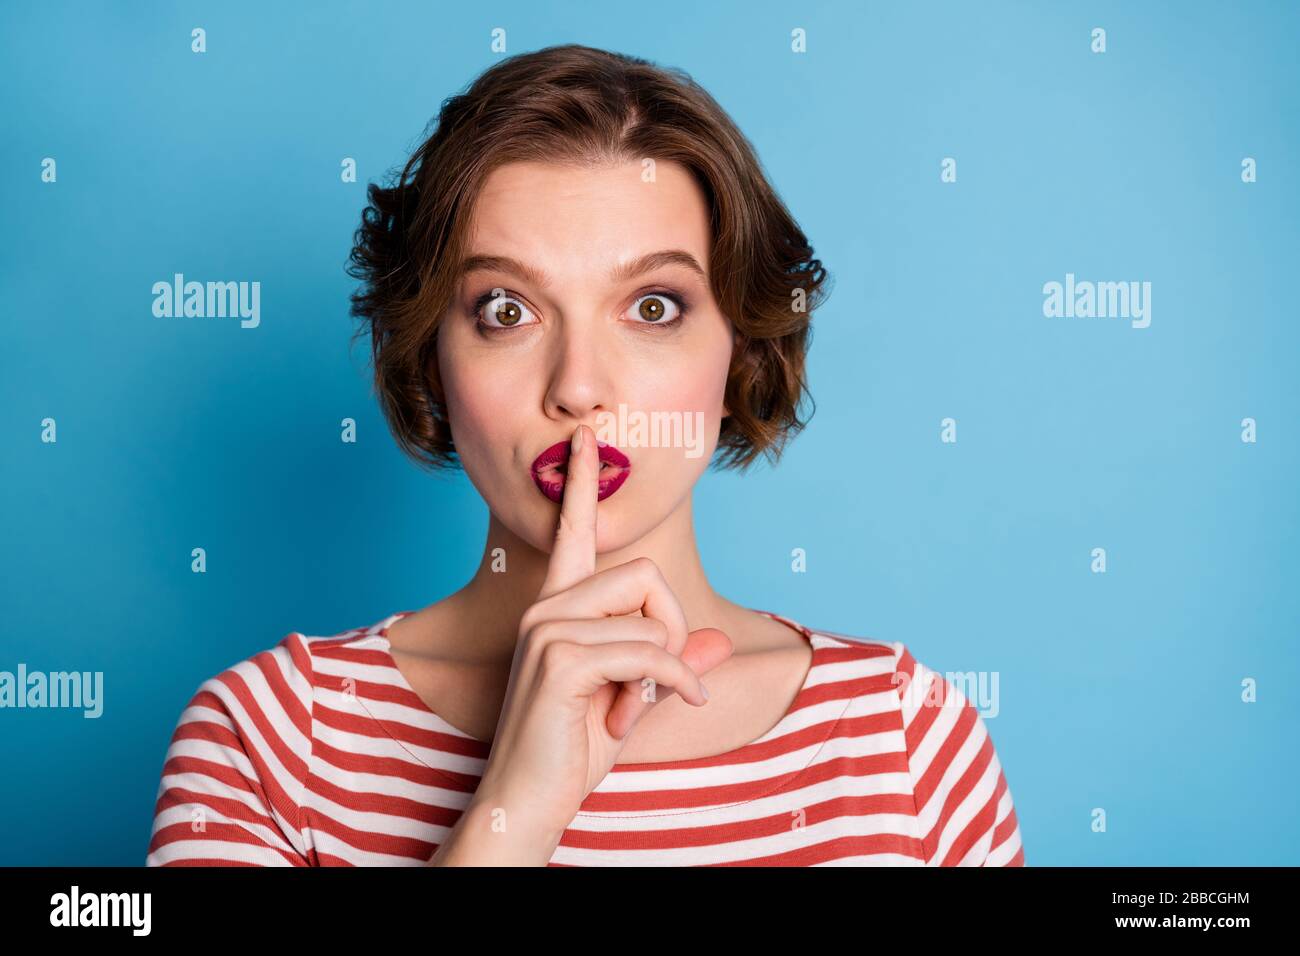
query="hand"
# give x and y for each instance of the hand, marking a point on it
(586, 669)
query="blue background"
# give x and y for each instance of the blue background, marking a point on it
(1119, 690)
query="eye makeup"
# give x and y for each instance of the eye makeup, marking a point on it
(676, 298)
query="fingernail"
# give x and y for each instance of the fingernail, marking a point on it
(704, 690)
(576, 445)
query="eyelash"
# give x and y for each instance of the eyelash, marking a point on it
(653, 327)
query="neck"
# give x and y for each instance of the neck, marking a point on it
(493, 601)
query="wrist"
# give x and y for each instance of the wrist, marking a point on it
(493, 831)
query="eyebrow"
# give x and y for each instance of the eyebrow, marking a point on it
(620, 273)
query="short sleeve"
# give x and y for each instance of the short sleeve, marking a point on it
(236, 767)
(963, 803)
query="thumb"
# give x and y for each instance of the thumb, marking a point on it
(706, 648)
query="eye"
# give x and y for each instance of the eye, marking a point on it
(504, 311)
(657, 308)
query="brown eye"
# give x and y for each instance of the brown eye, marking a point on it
(508, 313)
(497, 310)
(657, 309)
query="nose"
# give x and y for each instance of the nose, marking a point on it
(581, 380)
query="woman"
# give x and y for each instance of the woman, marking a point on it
(579, 289)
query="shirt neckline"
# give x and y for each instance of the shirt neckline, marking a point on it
(801, 699)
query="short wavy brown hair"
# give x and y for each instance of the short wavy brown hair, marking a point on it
(579, 105)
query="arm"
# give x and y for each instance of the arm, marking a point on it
(963, 803)
(480, 839)
(236, 767)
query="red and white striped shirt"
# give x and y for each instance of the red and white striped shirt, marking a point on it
(317, 752)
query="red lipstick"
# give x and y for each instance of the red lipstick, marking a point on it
(550, 467)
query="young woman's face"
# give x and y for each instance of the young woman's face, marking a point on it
(557, 337)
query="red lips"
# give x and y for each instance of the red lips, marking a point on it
(549, 468)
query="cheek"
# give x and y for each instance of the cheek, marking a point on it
(695, 390)
(698, 386)
(477, 408)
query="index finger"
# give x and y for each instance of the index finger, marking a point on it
(573, 558)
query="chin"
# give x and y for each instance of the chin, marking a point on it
(619, 523)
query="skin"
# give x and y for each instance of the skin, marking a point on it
(581, 346)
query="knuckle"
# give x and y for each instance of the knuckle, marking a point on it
(658, 631)
(545, 632)
(647, 568)
(528, 621)
(536, 613)
(555, 658)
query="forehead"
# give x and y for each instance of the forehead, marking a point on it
(583, 221)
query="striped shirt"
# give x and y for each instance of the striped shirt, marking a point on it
(318, 752)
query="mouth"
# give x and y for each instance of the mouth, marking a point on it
(550, 469)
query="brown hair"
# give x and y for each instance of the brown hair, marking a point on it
(578, 105)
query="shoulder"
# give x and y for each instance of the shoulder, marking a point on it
(839, 657)
(961, 797)
(916, 684)
(271, 684)
(238, 762)
(937, 710)
(276, 687)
